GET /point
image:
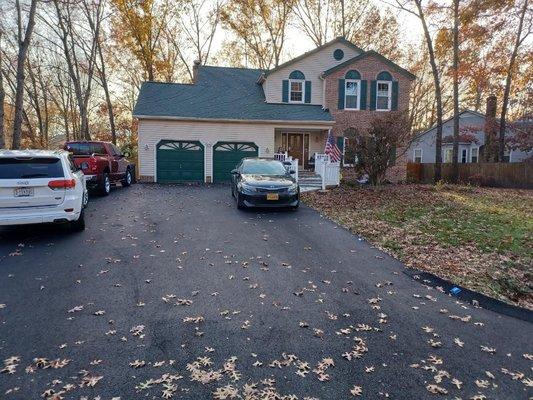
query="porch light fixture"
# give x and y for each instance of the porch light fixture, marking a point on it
(267, 150)
(146, 147)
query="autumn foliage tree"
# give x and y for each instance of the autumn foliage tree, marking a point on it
(261, 26)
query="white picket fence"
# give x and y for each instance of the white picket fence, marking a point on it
(330, 172)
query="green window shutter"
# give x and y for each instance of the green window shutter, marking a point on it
(394, 100)
(308, 91)
(341, 94)
(363, 95)
(285, 91)
(340, 142)
(373, 88)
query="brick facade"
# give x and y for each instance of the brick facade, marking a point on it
(369, 67)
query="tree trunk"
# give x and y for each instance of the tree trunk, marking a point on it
(107, 96)
(21, 59)
(438, 93)
(508, 81)
(2, 99)
(455, 161)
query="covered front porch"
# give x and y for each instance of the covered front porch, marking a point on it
(300, 144)
(302, 150)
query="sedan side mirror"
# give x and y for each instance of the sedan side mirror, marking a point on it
(234, 172)
(292, 171)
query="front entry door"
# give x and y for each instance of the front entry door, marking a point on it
(296, 147)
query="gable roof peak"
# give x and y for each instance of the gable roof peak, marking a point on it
(338, 39)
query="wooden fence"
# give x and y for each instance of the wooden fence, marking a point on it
(508, 175)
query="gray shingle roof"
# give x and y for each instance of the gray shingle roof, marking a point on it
(220, 93)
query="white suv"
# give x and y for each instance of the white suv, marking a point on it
(38, 186)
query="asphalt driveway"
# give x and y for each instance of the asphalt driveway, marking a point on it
(171, 292)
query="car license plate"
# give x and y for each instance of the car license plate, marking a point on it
(23, 192)
(272, 196)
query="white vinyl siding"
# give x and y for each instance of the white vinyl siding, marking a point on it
(312, 67)
(151, 132)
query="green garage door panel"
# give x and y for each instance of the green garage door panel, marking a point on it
(226, 155)
(180, 161)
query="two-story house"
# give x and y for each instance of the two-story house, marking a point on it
(199, 131)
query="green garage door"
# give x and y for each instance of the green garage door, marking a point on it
(226, 155)
(180, 161)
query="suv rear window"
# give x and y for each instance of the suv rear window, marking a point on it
(27, 168)
(86, 149)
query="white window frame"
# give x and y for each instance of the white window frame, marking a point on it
(302, 81)
(389, 95)
(415, 157)
(461, 156)
(477, 154)
(358, 81)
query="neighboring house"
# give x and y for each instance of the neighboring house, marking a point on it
(199, 131)
(471, 142)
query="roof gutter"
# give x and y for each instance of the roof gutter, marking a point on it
(236, 121)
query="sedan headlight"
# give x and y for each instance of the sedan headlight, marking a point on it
(244, 188)
(293, 189)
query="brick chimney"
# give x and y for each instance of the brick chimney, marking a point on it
(490, 153)
(195, 70)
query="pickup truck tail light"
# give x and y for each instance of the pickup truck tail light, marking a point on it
(62, 184)
(93, 164)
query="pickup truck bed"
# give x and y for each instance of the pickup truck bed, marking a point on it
(102, 163)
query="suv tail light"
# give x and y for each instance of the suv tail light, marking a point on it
(62, 184)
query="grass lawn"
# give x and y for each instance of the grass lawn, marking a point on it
(480, 238)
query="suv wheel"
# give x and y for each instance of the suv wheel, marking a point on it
(79, 224)
(105, 185)
(127, 178)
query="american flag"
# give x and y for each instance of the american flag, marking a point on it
(332, 149)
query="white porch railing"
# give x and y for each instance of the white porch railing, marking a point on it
(280, 156)
(289, 162)
(330, 172)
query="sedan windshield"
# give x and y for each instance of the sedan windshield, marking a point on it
(263, 167)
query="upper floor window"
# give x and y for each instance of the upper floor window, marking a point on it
(352, 94)
(296, 87)
(384, 91)
(352, 90)
(417, 157)
(383, 95)
(297, 91)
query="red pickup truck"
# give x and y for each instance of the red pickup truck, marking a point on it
(102, 163)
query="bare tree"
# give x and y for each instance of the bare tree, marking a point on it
(192, 31)
(521, 35)
(2, 98)
(75, 44)
(315, 18)
(261, 25)
(455, 152)
(419, 12)
(23, 39)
